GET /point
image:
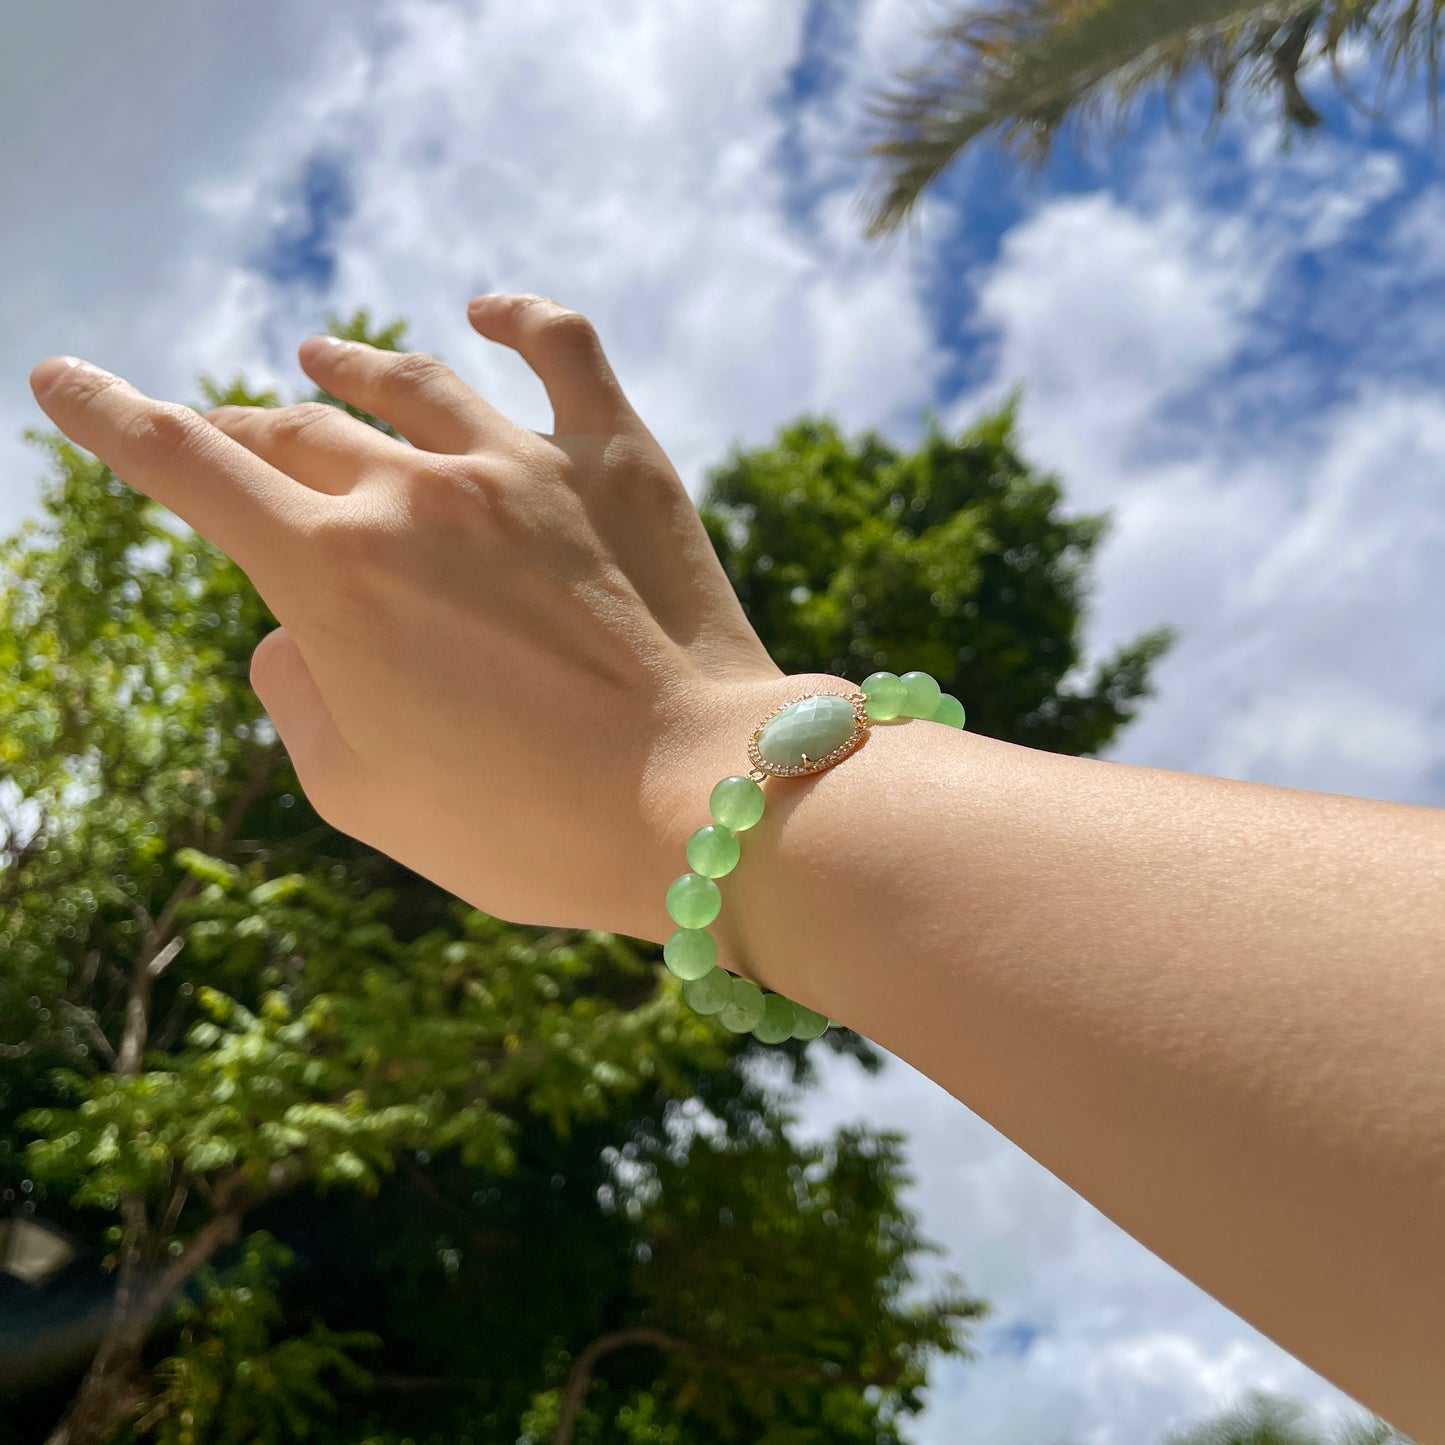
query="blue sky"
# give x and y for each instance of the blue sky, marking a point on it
(1233, 349)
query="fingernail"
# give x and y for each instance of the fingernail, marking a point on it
(53, 368)
(480, 303)
(320, 345)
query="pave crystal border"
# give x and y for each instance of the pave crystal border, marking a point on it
(850, 744)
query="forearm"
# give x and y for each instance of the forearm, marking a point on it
(1215, 1009)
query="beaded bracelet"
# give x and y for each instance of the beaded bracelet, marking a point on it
(799, 737)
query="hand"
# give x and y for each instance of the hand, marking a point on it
(501, 652)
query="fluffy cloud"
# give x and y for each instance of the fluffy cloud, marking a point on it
(1291, 543)
(1093, 1340)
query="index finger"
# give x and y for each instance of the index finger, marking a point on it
(248, 509)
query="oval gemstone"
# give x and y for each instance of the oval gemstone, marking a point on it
(807, 730)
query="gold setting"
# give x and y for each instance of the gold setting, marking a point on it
(762, 768)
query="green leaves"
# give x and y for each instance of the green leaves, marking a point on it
(227, 1383)
(492, 1146)
(956, 558)
(1021, 72)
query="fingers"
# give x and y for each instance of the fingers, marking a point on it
(423, 398)
(563, 349)
(318, 444)
(250, 510)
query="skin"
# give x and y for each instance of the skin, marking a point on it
(512, 661)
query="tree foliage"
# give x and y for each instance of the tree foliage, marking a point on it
(1022, 73)
(345, 1160)
(1262, 1418)
(957, 558)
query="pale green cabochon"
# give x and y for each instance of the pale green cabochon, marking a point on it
(813, 726)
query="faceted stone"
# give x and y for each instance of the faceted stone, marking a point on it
(884, 691)
(693, 901)
(808, 729)
(690, 952)
(776, 1023)
(807, 1024)
(949, 711)
(737, 802)
(713, 850)
(744, 1009)
(711, 993)
(921, 694)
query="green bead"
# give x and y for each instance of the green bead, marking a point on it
(713, 850)
(776, 1023)
(737, 803)
(884, 691)
(807, 730)
(693, 901)
(920, 694)
(711, 993)
(949, 711)
(690, 952)
(807, 1024)
(744, 1010)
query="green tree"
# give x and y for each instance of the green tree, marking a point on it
(1020, 73)
(280, 1087)
(1262, 1418)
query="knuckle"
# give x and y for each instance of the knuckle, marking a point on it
(413, 371)
(447, 477)
(570, 330)
(161, 427)
(292, 423)
(447, 494)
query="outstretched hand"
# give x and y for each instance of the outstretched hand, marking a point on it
(504, 656)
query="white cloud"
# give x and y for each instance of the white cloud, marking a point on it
(1106, 313)
(1293, 547)
(1126, 1349)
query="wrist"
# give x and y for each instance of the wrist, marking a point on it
(706, 739)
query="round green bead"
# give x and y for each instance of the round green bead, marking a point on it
(711, 993)
(885, 692)
(690, 953)
(744, 1010)
(776, 1023)
(713, 850)
(949, 711)
(920, 694)
(693, 901)
(737, 802)
(807, 1024)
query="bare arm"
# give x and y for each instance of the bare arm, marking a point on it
(512, 661)
(1215, 1009)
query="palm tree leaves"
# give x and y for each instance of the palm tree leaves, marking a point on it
(1020, 72)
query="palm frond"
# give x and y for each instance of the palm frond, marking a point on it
(1020, 72)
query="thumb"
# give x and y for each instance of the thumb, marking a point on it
(288, 692)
